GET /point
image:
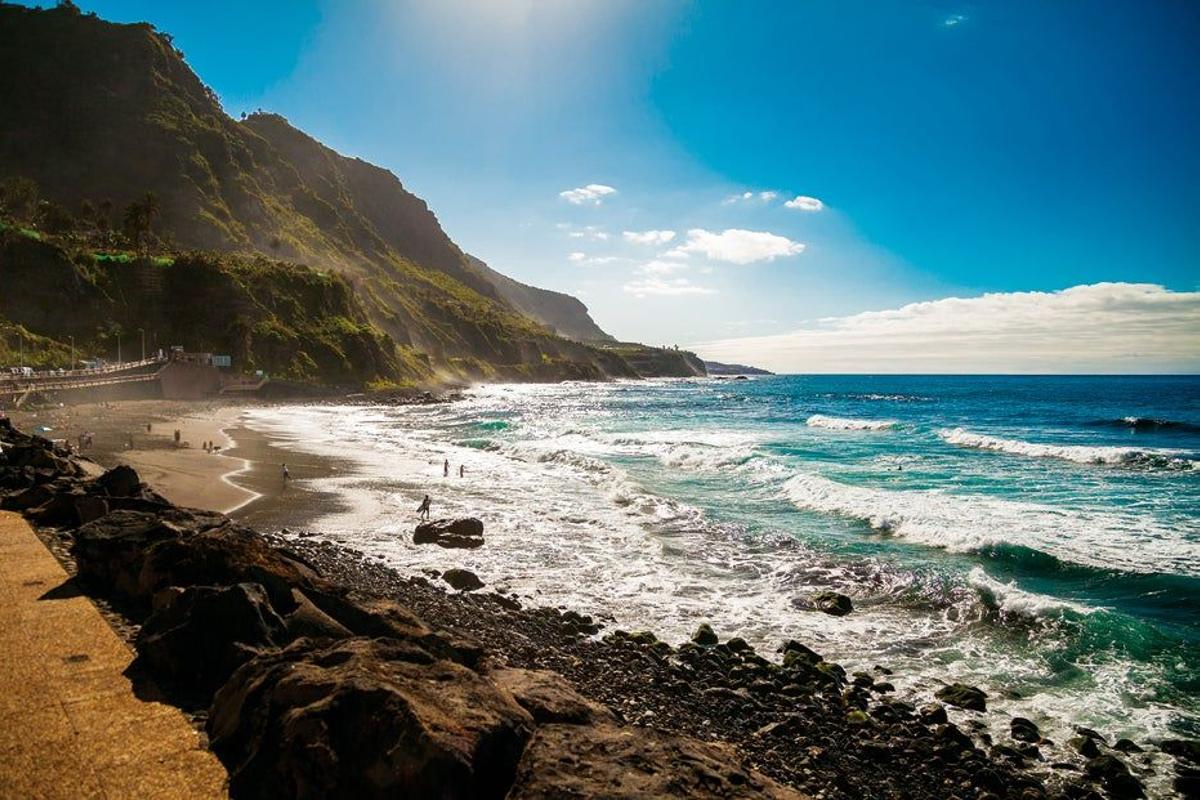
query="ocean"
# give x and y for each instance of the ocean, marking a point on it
(1038, 537)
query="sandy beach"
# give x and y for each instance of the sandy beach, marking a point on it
(184, 473)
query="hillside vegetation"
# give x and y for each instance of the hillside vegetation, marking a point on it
(126, 149)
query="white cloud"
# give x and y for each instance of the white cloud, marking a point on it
(664, 287)
(954, 19)
(1094, 328)
(804, 203)
(658, 267)
(737, 246)
(582, 258)
(649, 237)
(593, 194)
(747, 197)
(591, 232)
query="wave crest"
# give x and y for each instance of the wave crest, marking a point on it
(847, 424)
(1081, 454)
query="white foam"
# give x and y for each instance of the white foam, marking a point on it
(964, 523)
(1008, 598)
(1081, 454)
(846, 424)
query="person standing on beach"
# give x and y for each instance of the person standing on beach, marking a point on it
(462, 470)
(423, 509)
(286, 474)
(446, 468)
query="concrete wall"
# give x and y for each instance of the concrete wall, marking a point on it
(183, 381)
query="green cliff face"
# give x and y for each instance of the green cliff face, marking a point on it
(98, 114)
(288, 320)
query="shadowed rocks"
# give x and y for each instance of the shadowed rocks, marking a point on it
(466, 532)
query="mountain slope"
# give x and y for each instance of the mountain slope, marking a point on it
(103, 112)
(562, 313)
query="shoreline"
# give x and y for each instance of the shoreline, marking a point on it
(799, 720)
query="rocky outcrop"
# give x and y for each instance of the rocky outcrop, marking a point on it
(465, 532)
(548, 697)
(963, 696)
(564, 761)
(366, 718)
(199, 636)
(835, 603)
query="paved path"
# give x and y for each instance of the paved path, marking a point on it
(70, 724)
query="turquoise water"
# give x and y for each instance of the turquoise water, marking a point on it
(1038, 536)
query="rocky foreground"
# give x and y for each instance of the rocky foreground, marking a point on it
(320, 674)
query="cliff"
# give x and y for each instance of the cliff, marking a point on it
(98, 114)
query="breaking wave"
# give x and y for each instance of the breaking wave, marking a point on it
(846, 424)
(1147, 424)
(1082, 454)
(965, 523)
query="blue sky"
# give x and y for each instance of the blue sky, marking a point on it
(955, 149)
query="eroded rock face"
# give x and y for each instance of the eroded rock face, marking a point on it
(548, 697)
(365, 718)
(569, 761)
(466, 532)
(200, 635)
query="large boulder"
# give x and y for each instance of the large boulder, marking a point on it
(835, 603)
(465, 532)
(225, 554)
(462, 579)
(548, 697)
(376, 617)
(571, 761)
(963, 696)
(365, 718)
(204, 633)
(111, 551)
(120, 481)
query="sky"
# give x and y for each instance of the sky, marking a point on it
(841, 186)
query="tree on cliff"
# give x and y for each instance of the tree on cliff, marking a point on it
(139, 219)
(18, 198)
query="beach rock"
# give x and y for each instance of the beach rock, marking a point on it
(1182, 748)
(111, 551)
(1126, 746)
(1115, 776)
(198, 638)
(120, 481)
(378, 617)
(705, 636)
(1024, 730)
(1085, 746)
(619, 763)
(365, 718)
(794, 651)
(835, 603)
(963, 696)
(462, 579)
(225, 555)
(548, 697)
(465, 532)
(306, 619)
(68, 509)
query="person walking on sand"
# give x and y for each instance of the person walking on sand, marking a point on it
(462, 470)
(446, 468)
(423, 509)
(286, 474)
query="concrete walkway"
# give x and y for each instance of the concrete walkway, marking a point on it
(70, 724)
